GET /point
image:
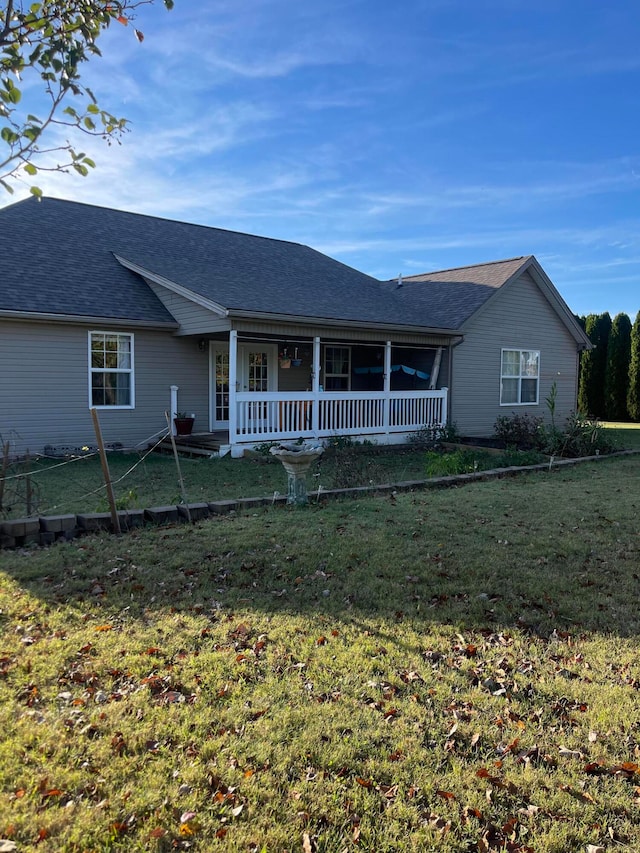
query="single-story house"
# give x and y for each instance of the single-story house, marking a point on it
(260, 339)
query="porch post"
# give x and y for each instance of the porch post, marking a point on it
(233, 373)
(387, 386)
(315, 387)
(174, 406)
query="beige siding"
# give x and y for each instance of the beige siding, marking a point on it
(193, 318)
(520, 317)
(44, 396)
(291, 332)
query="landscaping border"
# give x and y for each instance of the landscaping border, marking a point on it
(45, 530)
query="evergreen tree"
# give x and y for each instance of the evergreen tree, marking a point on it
(633, 397)
(617, 370)
(593, 366)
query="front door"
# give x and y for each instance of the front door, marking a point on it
(256, 372)
(220, 391)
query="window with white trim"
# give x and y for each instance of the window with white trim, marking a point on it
(337, 368)
(111, 381)
(519, 377)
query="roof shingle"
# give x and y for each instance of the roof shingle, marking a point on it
(59, 257)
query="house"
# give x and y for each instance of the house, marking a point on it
(260, 339)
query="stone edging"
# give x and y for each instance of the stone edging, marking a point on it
(45, 530)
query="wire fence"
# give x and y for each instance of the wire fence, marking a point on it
(38, 485)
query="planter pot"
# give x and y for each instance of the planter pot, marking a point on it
(184, 426)
(296, 362)
(285, 363)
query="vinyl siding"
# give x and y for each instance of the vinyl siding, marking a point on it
(193, 318)
(44, 386)
(295, 332)
(518, 317)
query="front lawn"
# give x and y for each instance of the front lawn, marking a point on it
(455, 670)
(627, 434)
(56, 487)
(59, 487)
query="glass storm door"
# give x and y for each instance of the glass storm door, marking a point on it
(220, 389)
(256, 374)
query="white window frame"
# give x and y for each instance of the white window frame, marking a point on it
(346, 375)
(520, 376)
(130, 370)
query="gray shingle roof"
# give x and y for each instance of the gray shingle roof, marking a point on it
(59, 257)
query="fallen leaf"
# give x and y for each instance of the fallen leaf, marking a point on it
(627, 767)
(570, 753)
(446, 795)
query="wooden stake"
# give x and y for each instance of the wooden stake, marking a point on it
(115, 518)
(28, 483)
(177, 458)
(5, 467)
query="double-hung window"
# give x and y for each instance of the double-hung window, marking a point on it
(111, 380)
(337, 368)
(519, 377)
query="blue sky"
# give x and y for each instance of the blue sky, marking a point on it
(396, 137)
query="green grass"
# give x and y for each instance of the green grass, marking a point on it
(152, 480)
(627, 434)
(455, 670)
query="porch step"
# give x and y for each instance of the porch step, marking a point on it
(198, 444)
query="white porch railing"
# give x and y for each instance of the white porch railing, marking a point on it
(274, 415)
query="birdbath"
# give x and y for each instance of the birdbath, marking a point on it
(296, 460)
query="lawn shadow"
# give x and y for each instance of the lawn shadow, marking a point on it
(541, 554)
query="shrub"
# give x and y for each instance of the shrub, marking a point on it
(517, 458)
(580, 437)
(429, 436)
(519, 431)
(457, 462)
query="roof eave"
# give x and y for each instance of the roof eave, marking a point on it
(332, 322)
(169, 284)
(87, 319)
(544, 282)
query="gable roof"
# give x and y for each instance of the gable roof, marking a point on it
(457, 295)
(68, 259)
(62, 258)
(453, 296)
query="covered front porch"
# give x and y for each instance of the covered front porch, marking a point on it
(271, 388)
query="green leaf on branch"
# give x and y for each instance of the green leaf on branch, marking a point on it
(30, 169)
(9, 136)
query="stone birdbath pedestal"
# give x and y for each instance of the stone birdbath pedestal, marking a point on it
(296, 460)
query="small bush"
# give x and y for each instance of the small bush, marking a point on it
(517, 458)
(519, 431)
(580, 437)
(467, 461)
(457, 462)
(429, 436)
